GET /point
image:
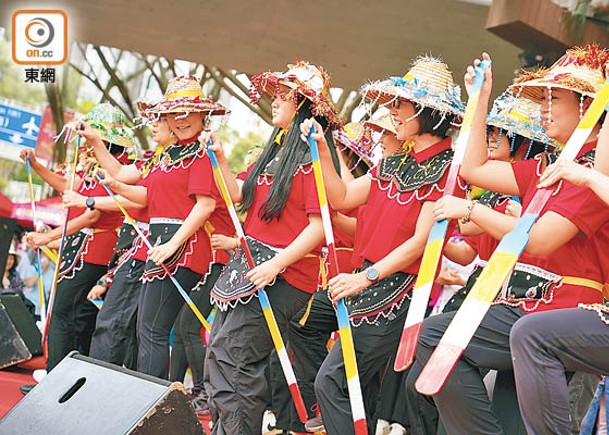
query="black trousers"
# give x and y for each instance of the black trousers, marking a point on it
(115, 338)
(547, 345)
(392, 403)
(374, 346)
(309, 332)
(188, 348)
(463, 403)
(238, 353)
(73, 317)
(159, 305)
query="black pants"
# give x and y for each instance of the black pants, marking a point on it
(115, 338)
(188, 347)
(463, 403)
(392, 403)
(545, 346)
(309, 332)
(374, 346)
(159, 305)
(73, 317)
(238, 354)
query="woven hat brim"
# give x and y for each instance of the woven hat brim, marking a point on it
(381, 127)
(353, 145)
(385, 92)
(533, 89)
(116, 139)
(168, 107)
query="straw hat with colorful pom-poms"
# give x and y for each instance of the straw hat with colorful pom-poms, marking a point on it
(429, 83)
(358, 139)
(301, 78)
(580, 69)
(518, 116)
(184, 95)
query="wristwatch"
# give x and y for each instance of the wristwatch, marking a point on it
(90, 203)
(102, 282)
(372, 274)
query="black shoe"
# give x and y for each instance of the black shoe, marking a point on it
(26, 388)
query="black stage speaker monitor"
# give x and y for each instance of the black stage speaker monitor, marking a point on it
(83, 396)
(20, 339)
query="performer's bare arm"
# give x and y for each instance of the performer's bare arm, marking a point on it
(341, 195)
(232, 184)
(106, 203)
(196, 218)
(128, 174)
(56, 181)
(344, 223)
(87, 219)
(549, 233)
(135, 194)
(459, 252)
(477, 169)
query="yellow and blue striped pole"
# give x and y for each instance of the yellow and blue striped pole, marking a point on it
(435, 241)
(499, 267)
(344, 327)
(282, 353)
(173, 279)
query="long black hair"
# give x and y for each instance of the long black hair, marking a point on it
(295, 152)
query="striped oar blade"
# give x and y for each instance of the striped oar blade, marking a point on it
(502, 262)
(435, 242)
(173, 279)
(342, 315)
(271, 322)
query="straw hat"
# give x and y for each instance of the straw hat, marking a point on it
(184, 94)
(381, 124)
(518, 115)
(429, 83)
(304, 78)
(358, 139)
(110, 123)
(580, 70)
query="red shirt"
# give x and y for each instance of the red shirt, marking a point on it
(280, 232)
(171, 193)
(390, 217)
(101, 244)
(221, 222)
(578, 257)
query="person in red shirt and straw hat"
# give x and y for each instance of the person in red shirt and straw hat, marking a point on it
(563, 267)
(180, 194)
(284, 232)
(91, 241)
(399, 192)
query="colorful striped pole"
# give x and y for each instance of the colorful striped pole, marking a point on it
(173, 279)
(284, 359)
(344, 327)
(499, 267)
(41, 293)
(435, 242)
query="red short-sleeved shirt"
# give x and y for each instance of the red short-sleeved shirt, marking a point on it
(221, 222)
(102, 242)
(344, 244)
(390, 217)
(171, 193)
(279, 233)
(579, 257)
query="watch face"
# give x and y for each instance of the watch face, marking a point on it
(90, 202)
(372, 274)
